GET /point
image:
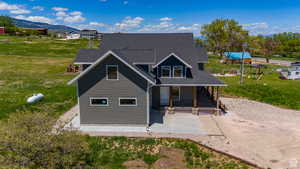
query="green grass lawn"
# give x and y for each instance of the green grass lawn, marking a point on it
(37, 65)
(270, 89)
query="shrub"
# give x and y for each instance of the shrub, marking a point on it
(28, 140)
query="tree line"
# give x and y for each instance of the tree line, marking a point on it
(12, 29)
(227, 35)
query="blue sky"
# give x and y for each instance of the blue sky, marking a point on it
(258, 16)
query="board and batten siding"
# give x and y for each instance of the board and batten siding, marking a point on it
(129, 84)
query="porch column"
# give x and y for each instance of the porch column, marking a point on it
(195, 95)
(213, 93)
(170, 97)
(217, 101)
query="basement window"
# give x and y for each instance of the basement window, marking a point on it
(127, 102)
(112, 72)
(98, 101)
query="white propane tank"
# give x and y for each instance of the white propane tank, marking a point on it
(35, 98)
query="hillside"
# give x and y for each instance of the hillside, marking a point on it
(29, 24)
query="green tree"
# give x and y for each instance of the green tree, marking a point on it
(224, 35)
(6, 21)
(29, 141)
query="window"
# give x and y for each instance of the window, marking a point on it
(165, 71)
(178, 71)
(127, 102)
(98, 101)
(297, 73)
(112, 72)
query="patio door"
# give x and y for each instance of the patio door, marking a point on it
(164, 96)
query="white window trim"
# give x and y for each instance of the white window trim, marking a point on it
(98, 104)
(128, 105)
(182, 73)
(107, 72)
(170, 71)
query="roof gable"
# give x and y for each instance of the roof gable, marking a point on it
(133, 67)
(176, 56)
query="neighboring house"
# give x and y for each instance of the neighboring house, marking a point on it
(2, 30)
(236, 57)
(291, 73)
(73, 35)
(89, 34)
(132, 74)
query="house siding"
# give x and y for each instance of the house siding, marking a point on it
(129, 84)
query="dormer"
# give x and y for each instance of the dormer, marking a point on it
(172, 66)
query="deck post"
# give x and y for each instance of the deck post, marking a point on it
(213, 93)
(170, 97)
(170, 108)
(217, 101)
(195, 95)
(195, 109)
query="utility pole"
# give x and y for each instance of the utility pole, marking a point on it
(245, 45)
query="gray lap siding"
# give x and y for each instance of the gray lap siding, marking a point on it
(129, 84)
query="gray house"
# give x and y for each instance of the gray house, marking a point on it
(132, 74)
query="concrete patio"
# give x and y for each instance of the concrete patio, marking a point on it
(178, 123)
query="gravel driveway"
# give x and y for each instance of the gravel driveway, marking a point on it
(266, 134)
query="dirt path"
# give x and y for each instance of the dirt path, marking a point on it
(274, 61)
(270, 135)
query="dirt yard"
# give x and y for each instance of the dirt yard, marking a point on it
(263, 133)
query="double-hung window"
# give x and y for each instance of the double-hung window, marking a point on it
(112, 72)
(127, 101)
(98, 101)
(166, 71)
(178, 71)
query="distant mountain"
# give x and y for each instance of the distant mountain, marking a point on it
(29, 24)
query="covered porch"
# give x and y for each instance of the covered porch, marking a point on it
(186, 99)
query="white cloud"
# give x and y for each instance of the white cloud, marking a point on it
(125, 2)
(103, 0)
(166, 19)
(76, 13)
(59, 9)
(97, 24)
(20, 11)
(194, 27)
(74, 19)
(129, 23)
(258, 28)
(39, 8)
(68, 17)
(13, 9)
(36, 19)
(164, 26)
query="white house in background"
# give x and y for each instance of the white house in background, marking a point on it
(291, 73)
(73, 35)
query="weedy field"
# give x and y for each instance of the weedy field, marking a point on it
(121, 152)
(269, 89)
(36, 65)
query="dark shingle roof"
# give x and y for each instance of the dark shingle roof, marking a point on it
(199, 78)
(160, 44)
